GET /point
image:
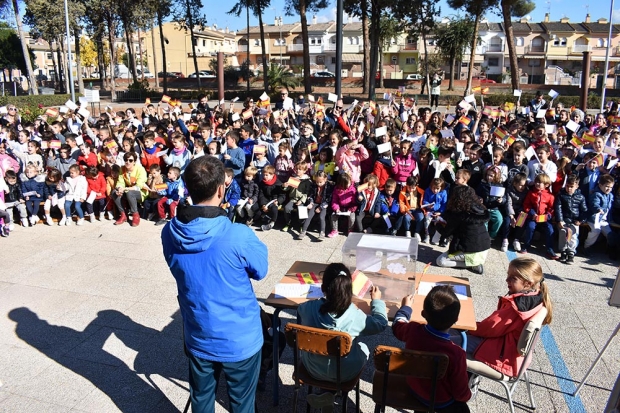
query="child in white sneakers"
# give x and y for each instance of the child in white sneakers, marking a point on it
(77, 187)
(54, 194)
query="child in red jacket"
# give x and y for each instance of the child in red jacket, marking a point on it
(441, 310)
(97, 186)
(495, 340)
(538, 205)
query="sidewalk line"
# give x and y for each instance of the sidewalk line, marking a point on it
(560, 370)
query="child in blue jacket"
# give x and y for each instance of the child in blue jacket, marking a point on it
(599, 204)
(232, 194)
(33, 189)
(434, 204)
(390, 208)
(171, 195)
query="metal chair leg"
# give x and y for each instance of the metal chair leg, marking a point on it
(357, 397)
(529, 390)
(345, 401)
(509, 396)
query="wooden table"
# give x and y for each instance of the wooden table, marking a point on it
(466, 320)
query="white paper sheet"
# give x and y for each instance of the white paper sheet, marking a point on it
(91, 197)
(516, 93)
(264, 96)
(470, 98)
(79, 140)
(572, 125)
(553, 94)
(332, 97)
(287, 104)
(531, 152)
(447, 133)
(550, 129)
(541, 113)
(235, 117)
(290, 290)
(71, 105)
(384, 147)
(425, 287)
(395, 244)
(498, 191)
(302, 211)
(381, 131)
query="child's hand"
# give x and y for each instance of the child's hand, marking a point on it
(27, 198)
(285, 185)
(377, 215)
(310, 206)
(436, 214)
(375, 293)
(407, 301)
(81, 199)
(561, 225)
(513, 222)
(318, 210)
(250, 201)
(360, 198)
(49, 197)
(298, 203)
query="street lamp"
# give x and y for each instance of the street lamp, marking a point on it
(604, 85)
(70, 67)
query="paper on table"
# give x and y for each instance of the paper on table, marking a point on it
(290, 290)
(425, 287)
(384, 147)
(395, 244)
(332, 97)
(498, 191)
(572, 125)
(91, 197)
(302, 210)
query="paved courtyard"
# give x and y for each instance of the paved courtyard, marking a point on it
(89, 323)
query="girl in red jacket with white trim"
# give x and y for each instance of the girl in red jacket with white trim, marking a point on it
(495, 340)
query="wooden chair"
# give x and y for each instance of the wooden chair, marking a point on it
(527, 342)
(325, 343)
(392, 367)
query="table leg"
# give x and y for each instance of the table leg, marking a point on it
(275, 328)
(598, 358)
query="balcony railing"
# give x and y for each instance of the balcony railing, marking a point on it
(534, 49)
(346, 48)
(493, 48)
(313, 48)
(580, 48)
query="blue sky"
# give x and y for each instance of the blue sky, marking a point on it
(576, 11)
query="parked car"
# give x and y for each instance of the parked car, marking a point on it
(147, 73)
(323, 73)
(171, 75)
(203, 74)
(414, 76)
(41, 77)
(483, 79)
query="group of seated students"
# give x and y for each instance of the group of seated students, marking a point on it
(494, 342)
(388, 169)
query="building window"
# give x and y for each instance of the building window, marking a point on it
(204, 43)
(318, 41)
(493, 61)
(559, 41)
(259, 60)
(312, 41)
(320, 60)
(333, 60)
(534, 63)
(519, 41)
(195, 42)
(49, 56)
(601, 43)
(256, 42)
(410, 61)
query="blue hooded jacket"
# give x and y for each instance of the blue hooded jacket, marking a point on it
(213, 260)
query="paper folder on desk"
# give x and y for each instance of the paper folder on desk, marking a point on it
(361, 284)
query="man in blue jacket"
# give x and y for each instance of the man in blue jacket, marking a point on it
(212, 260)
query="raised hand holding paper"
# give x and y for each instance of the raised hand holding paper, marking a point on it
(332, 97)
(380, 131)
(516, 93)
(553, 94)
(264, 96)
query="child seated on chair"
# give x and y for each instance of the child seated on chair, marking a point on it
(336, 312)
(441, 310)
(495, 340)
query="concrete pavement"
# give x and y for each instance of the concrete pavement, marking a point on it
(89, 323)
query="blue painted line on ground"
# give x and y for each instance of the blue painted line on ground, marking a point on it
(560, 369)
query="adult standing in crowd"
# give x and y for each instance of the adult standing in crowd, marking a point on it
(213, 260)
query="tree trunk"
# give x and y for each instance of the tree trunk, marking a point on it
(366, 42)
(514, 65)
(56, 71)
(375, 16)
(262, 44)
(76, 35)
(154, 56)
(160, 22)
(380, 65)
(452, 70)
(190, 22)
(428, 79)
(112, 59)
(472, 54)
(32, 82)
(130, 59)
(64, 79)
(304, 36)
(141, 58)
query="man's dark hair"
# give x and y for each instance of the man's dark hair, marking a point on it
(441, 307)
(202, 177)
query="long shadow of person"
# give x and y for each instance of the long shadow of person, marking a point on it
(82, 352)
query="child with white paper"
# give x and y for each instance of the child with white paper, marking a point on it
(433, 205)
(542, 164)
(344, 202)
(33, 187)
(498, 162)
(249, 195)
(599, 206)
(319, 199)
(77, 188)
(296, 189)
(493, 195)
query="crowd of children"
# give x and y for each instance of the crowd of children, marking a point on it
(387, 169)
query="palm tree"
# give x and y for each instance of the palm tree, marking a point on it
(278, 76)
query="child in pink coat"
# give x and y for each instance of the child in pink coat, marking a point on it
(344, 200)
(349, 158)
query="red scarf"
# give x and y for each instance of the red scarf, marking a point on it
(270, 182)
